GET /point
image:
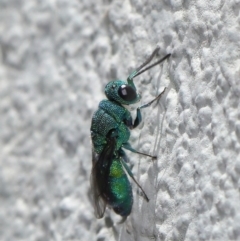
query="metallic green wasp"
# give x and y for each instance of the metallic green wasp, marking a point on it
(110, 134)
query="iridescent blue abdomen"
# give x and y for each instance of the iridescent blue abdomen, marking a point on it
(119, 192)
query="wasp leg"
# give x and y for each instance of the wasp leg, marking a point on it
(131, 175)
(127, 146)
(123, 220)
(139, 115)
(123, 155)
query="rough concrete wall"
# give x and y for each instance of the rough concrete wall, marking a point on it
(56, 57)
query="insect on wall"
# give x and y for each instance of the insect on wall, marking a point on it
(110, 132)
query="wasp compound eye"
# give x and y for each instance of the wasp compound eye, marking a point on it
(127, 93)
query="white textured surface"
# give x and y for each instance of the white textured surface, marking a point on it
(55, 58)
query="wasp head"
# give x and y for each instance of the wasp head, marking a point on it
(122, 92)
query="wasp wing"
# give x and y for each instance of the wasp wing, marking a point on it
(98, 203)
(99, 177)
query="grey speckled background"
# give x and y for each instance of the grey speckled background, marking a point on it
(55, 58)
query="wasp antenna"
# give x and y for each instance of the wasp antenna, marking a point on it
(148, 60)
(135, 72)
(152, 65)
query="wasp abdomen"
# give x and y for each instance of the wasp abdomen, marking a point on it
(119, 193)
